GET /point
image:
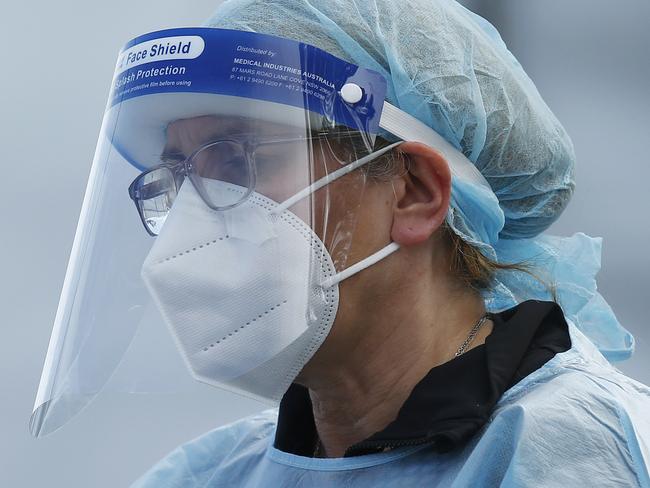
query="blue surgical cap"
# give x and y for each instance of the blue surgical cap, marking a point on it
(449, 68)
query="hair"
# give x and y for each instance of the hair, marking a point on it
(475, 270)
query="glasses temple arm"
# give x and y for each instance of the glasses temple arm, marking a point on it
(325, 180)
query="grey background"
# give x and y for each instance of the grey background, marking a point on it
(588, 58)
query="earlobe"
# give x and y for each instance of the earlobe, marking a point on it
(423, 200)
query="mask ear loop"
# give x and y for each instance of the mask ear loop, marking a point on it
(325, 180)
(361, 265)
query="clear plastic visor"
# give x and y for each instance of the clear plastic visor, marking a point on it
(165, 181)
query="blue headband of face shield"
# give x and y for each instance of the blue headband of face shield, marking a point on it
(356, 98)
(334, 91)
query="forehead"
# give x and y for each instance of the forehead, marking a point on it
(184, 135)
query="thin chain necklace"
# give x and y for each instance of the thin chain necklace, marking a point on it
(463, 347)
(472, 335)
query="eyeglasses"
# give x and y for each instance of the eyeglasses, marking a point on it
(231, 161)
(155, 190)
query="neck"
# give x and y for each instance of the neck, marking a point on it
(359, 382)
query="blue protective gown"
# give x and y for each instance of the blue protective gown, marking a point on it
(576, 421)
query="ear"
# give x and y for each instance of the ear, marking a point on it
(421, 195)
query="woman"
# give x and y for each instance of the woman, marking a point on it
(448, 363)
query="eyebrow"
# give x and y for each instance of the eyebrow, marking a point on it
(171, 155)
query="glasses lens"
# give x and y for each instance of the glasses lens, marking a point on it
(155, 193)
(226, 162)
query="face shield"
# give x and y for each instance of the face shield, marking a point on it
(218, 217)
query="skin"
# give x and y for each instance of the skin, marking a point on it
(397, 319)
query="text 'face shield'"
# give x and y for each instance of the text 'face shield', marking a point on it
(209, 221)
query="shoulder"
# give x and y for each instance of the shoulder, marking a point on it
(575, 421)
(195, 463)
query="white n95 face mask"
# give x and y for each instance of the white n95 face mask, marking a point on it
(249, 293)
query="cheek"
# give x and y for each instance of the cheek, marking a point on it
(374, 221)
(352, 216)
(358, 221)
(335, 210)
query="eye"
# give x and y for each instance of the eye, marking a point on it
(225, 161)
(234, 160)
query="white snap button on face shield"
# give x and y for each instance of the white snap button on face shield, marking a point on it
(218, 147)
(351, 93)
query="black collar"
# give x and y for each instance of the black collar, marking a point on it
(455, 399)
